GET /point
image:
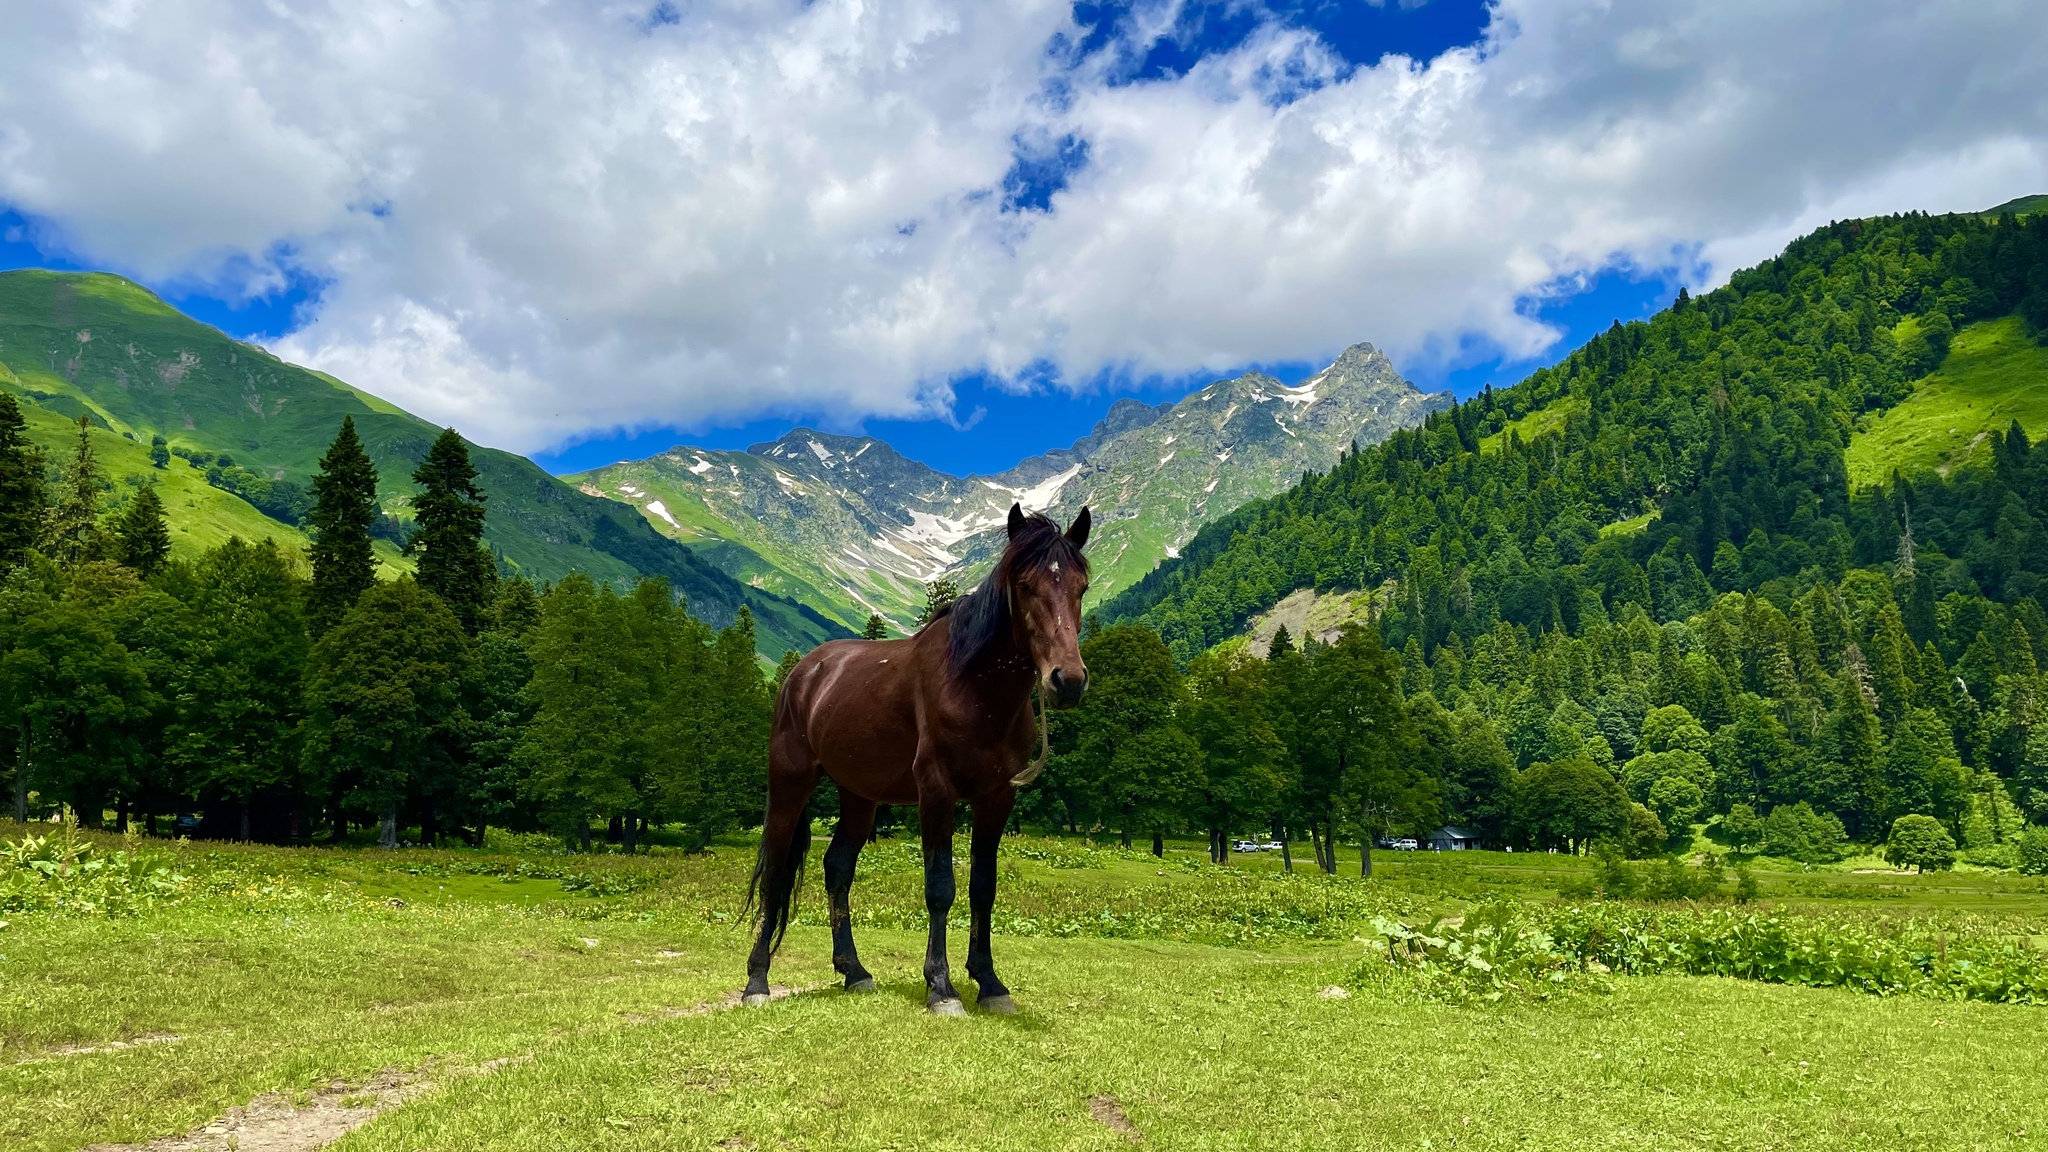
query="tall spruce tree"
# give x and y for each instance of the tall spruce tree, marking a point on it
(74, 533)
(344, 508)
(142, 540)
(22, 498)
(454, 564)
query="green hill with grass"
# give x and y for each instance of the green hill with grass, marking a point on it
(99, 346)
(1996, 373)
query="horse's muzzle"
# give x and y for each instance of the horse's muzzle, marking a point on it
(1066, 690)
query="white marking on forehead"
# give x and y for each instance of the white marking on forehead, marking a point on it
(1055, 565)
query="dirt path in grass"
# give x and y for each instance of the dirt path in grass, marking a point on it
(275, 1122)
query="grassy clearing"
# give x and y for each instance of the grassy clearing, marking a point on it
(1543, 422)
(1995, 374)
(283, 969)
(200, 516)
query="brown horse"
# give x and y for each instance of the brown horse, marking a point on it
(937, 718)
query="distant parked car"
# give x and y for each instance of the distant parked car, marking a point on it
(1246, 846)
(1404, 844)
(185, 826)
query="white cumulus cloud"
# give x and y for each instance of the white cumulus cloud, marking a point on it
(543, 220)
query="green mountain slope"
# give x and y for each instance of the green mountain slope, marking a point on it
(1707, 449)
(1995, 374)
(99, 345)
(849, 526)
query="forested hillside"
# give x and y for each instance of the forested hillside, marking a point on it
(1649, 558)
(251, 428)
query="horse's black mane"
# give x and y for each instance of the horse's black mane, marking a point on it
(983, 614)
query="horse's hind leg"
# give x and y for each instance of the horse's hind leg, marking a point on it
(935, 817)
(785, 842)
(856, 821)
(989, 817)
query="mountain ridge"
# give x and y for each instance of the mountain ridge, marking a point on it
(99, 345)
(856, 527)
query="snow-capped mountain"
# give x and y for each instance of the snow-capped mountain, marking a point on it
(849, 525)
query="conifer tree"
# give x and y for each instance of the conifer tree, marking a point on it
(344, 508)
(384, 714)
(454, 564)
(22, 498)
(877, 629)
(75, 534)
(142, 540)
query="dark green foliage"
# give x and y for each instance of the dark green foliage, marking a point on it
(277, 498)
(1797, 832)
(22, 498)
(235, 735)
(74, 535)
(877, 629)
(1569, 804)
(640, 712)
(1230, 716)
(938, 594)
(384, 707)
(454, 564)
(159, 452)
(1125, 763)
(2033, 852)
(1920, 843)
(343, 513)
(142, 539)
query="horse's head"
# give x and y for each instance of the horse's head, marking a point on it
(1047, 577)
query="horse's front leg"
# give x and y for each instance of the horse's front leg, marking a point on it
(935, 819)
(989, 817)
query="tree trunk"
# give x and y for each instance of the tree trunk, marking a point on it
(629, 834)
(21, 778)
(612, 835)
(1286, 853)
(245, 819)
(1365, 855)
(149, 823)
(583, 832)
(1158, 845)
(121, 816)
(430, 825)
(387, 825)
(1315, 843)
(1127, 838)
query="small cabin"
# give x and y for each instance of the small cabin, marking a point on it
(1450, 840)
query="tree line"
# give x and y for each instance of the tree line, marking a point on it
(288, 696)
(1648, 560)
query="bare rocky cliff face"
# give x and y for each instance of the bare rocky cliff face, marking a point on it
(849, 525)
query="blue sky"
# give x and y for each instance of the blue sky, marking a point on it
(714, 222)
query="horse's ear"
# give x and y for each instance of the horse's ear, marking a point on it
(1016, 519)
(1077, 532)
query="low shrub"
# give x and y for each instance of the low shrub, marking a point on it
(1877, 957)
(68, 874)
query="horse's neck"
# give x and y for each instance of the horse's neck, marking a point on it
(1004, 673)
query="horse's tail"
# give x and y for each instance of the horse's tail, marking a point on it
(773, 889)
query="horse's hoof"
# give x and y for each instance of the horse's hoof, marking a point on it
(1000, 1005)
(946, 1008)
(864, 984)
(753, 999)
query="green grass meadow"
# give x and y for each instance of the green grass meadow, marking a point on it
(553, 1001)
(1993, 376)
